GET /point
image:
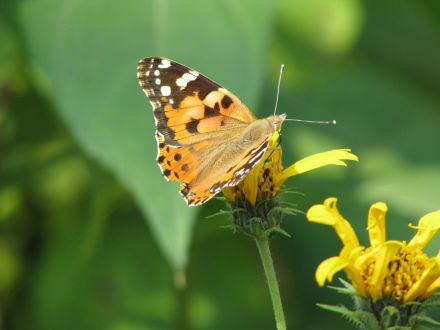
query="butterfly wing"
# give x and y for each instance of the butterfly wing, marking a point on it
(206, 167)
(186, 103)
(197, 122)
(238, 166)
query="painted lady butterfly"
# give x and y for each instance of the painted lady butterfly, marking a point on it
(207, 138)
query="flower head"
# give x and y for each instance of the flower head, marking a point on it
(267, 178)
(386, 270)
(257, 194)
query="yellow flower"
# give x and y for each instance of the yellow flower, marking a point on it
(386, 269)
(266, 179)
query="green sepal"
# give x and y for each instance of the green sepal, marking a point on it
(284, 210)
(225, 212)
(232, 227)
(269, 232)
(291, 191)
(221, 198)
(262, 220)
(361, 319)
(424, 319)
(421, 327)
(432, 301)
(431, 304)
(412, 303)
(346, 291)
(291, 205)
(347, 288)
(387, 313)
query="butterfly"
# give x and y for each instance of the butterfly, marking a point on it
(207, 138)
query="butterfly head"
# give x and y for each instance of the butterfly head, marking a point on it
(276, 121)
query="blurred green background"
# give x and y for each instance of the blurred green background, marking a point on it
(92, 237)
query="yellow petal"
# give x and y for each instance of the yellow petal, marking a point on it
(275, 139)
(274, 166)
(328, 214)
(270, 161)
(428, 278)
(436, 284)
(366, 257)
(229, 193)
(250, 184)
(387, 252)
(331, 266)
(432, 288)
(328, 268)
(428, 226)
(332, 157)
(352, 254)
(376, 223)
(356, 279)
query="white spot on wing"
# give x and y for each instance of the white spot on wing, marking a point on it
(164, 64)
(188, 76)
(165, 90)
(181, 82)
(157, 81)
(156, 72)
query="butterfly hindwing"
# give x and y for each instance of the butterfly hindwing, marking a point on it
(175, 162)
(183, 165)
(231, 176)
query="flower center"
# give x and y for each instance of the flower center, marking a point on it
(404, 272)
(401, 273)
(266, 187)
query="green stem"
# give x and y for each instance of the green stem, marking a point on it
(266, 259)
(182, 296)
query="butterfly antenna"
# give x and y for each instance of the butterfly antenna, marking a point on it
(278, 88)
(333, 122)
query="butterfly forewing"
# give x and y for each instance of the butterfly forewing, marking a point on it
(186, 103)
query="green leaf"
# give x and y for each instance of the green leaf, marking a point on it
(88, 52)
